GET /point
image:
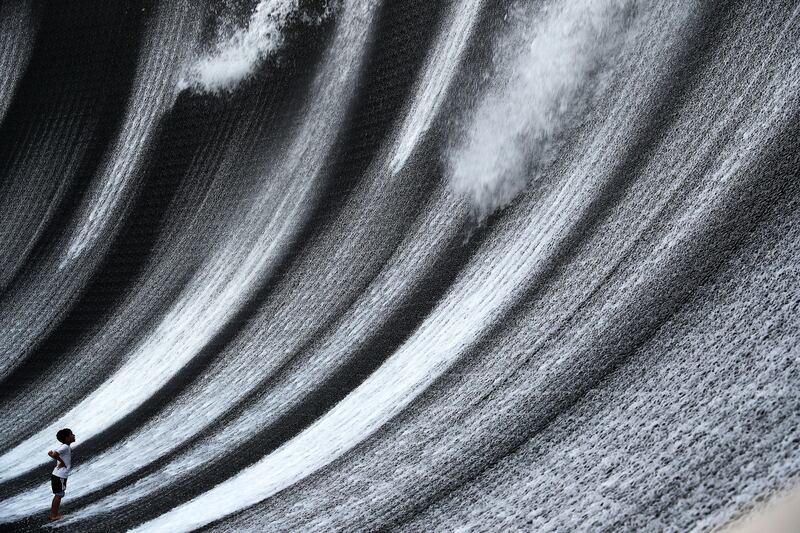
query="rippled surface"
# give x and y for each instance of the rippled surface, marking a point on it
(353, 265)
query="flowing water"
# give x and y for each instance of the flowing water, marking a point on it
(356, 264)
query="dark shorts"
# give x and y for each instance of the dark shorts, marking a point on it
(59, 485)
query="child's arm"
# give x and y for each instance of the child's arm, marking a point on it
(57, 457)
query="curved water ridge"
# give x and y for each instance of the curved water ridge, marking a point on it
(412, 265)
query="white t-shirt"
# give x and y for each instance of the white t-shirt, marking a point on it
(65, 452)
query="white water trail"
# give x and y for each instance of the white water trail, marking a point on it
(442, 65)
(536, 97)
(17, 34)
(152, 96)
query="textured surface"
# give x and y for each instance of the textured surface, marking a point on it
(352, 265)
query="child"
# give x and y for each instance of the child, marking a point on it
(63, 457)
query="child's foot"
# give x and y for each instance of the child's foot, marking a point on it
(57, 517)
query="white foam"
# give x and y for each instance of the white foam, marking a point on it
(236, 57)
(539, 92)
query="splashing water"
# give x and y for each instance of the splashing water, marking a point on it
(536, 98)
(236, 57)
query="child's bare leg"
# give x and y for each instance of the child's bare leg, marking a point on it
(54, 508)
